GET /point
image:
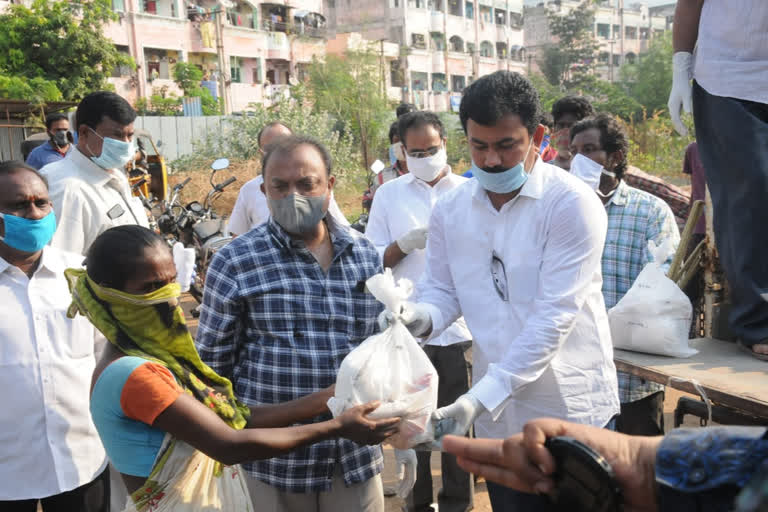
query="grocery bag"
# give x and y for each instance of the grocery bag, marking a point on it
(392, 368)
(654, 316)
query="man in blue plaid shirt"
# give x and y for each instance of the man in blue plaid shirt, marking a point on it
(634, 218)
(284, 304)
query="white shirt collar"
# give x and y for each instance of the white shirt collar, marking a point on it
(49, 261)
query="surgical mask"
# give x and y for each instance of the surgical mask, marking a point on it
(427, 168)
(588, 171)
(60, 138)
(503, 182)
(392, 157)
(298, 214)
(114, 153)
(396, 151)
(28, 235)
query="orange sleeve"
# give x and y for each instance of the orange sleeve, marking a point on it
(149, 390)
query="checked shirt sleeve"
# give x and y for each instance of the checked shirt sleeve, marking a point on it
(662, 226)
(218, 332)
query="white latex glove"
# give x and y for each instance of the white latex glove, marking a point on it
(415, 317)
(680, 95)
(412, 240)
(405, 470)
(185, 265)
(457, 418)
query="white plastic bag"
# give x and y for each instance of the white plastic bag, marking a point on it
(390, 367)
(654, 316)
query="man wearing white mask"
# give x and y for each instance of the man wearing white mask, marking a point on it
(600, 146)
(517, 251)
(89, 188)
(397, 226)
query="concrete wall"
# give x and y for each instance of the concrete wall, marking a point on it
(176, 135)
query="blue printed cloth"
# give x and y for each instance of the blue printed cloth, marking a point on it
(634, 218)
(279, 326)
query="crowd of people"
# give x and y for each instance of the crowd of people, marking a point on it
(114, 405)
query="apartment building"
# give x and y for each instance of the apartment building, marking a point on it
(248, 50)
(623, 32)
(444, 44)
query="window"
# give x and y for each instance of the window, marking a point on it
(456, 44)
(435, 5)
(458, 83)
(419, 81)
(439, 82)
(118, 5)
(603, 58)
(630, 32)
(438, 41)
(121, 70)
(469, 10)
(603, 30)
(454, 7)
(616, 31)
(486, 49)
(150, 6)
(501, 50)
(235, 64)
(516, 20)
(630, 58)
(485, 14)
(616, 59)
(256, 71)
(471, 48)
(417, 41)
(644, 33)
(501, 17)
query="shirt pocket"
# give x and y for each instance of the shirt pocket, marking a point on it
(522, 269)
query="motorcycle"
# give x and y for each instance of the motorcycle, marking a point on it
(197, 225)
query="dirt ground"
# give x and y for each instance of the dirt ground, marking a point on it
(482, 504)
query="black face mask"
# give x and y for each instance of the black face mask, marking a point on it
(60, 138)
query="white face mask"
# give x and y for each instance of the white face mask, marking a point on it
(588, 171)
(427, 168)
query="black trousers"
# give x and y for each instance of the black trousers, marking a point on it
(644, 417)
(457, 492)
(733, 144)
(91, 497)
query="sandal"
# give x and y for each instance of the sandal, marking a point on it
(748, 349)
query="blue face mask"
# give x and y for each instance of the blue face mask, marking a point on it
(392, 157)
(28, 235)
(502, 182)
(114, 153)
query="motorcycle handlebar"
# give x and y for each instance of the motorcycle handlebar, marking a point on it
(227, 183)
(182, 184)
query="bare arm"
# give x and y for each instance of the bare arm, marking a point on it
(190, 421)
(288, 413)
(393, 255)
(685, 30)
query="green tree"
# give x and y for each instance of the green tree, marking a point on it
(349, 89)
(36, 90)
(60, 42)
(650, 79)
(605, 96)
(573, 53)
(188, 76)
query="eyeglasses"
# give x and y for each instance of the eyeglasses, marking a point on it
(424, 154)
(499, 276)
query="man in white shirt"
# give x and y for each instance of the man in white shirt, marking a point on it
(251, 209)
(398, 228)
(517, 251)
(730, 111)
(49, 449)
(89, 188)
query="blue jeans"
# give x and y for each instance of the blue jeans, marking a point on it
(733, 144)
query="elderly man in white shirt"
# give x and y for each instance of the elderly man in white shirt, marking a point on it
(89, 188)
(517, 251)
(251, 208)
(50, 451)
(398, 228)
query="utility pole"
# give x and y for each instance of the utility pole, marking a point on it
(222, 63)
(610, 61)
(445, 50)
(621, 40)
(476, 53)
(381, 68)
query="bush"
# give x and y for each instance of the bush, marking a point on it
(238, 141)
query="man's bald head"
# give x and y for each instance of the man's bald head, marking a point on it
(271, 132)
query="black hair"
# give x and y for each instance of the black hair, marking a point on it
(405, 108)
(494, 96)
(547, 120)
(417, 120)
(393, 130)
(289, 144)
(98, 105)
(579, 106)
(268, 126)
(613, 137)
(13, 166)
(113, 257)
(52, 118)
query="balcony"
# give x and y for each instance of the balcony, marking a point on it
(436, 21)
(278, 46)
